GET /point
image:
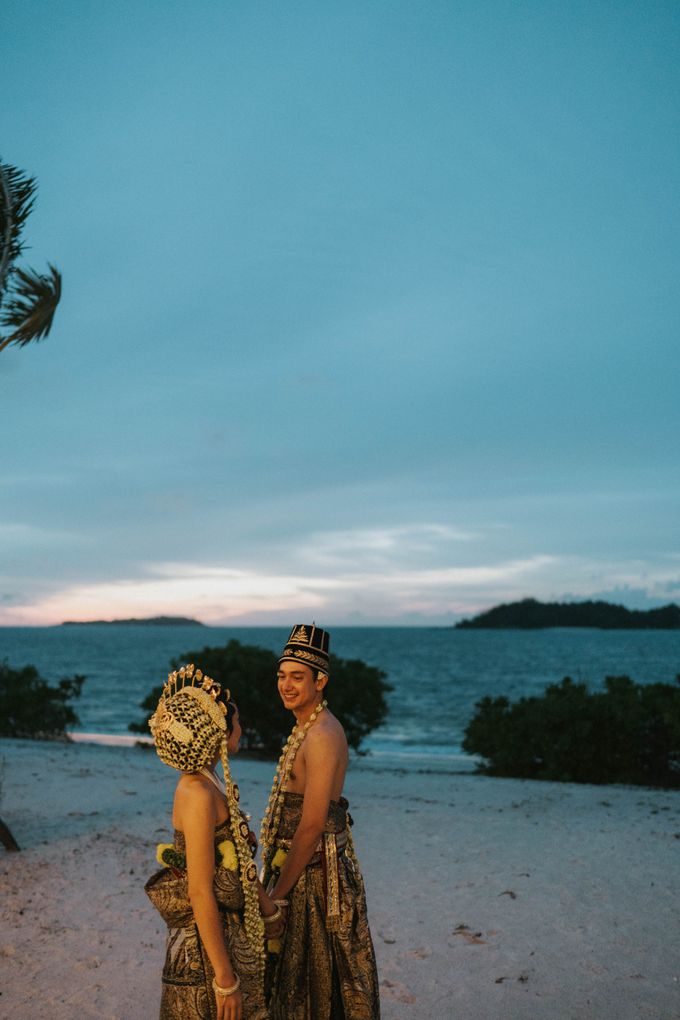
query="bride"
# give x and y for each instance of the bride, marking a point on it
(208, 892)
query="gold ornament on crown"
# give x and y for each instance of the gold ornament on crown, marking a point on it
(189, 728)
(272, 816)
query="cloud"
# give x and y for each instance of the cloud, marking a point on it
(212, 594)
(430, 572)
(342, 549)
(220, 594)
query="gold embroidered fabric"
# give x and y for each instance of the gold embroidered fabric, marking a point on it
(187, 974)
(326, 968)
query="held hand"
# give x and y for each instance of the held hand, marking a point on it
(267, 905)
(274, 931)
(273, 917)
(285, 910)
(230, 1007)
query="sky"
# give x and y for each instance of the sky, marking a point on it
(370, 310)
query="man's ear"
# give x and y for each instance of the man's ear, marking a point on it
(321, 681)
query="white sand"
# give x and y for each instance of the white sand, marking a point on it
(488, 898)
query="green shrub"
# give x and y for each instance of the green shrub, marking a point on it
(30, 708)
(356, 694)
(626, 733)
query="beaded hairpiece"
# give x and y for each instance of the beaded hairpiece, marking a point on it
(190, 679)
(189, 722)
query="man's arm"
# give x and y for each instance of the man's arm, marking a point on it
(323, 750)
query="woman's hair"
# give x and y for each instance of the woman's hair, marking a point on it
(231, 712)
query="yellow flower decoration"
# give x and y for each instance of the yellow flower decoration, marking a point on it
(227, 852)
(160, 850)
(274, 946)
(279, 858)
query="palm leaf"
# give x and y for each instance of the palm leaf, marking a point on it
(17, 192)
(31, 305)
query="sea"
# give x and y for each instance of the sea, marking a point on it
(438, 674)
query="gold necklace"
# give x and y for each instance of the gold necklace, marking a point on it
(214, 779)
(272, 816)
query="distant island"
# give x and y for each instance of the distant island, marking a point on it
(530, 614)
(149, 621)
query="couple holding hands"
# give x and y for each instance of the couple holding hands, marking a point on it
(296, 944)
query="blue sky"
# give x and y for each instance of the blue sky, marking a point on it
(370, 310)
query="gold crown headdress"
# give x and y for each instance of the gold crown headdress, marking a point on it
(189, 723)
(189, 728)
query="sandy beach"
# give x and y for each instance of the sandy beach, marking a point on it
(487, 897)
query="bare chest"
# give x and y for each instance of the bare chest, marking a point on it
(297, 780)
(298, 775)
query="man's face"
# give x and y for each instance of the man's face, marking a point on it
(297, 685)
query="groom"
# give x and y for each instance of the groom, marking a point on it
(326, 967)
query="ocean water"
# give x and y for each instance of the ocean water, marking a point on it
(438, 673)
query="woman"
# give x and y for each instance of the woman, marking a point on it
(208, 893)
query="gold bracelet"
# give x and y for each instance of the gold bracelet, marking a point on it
(273, 918)
(224, 992)
(281, 903)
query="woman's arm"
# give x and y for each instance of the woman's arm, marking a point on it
(195, 812)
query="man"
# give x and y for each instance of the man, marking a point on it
(325, 969)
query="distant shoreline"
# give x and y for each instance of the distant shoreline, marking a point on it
(530, 614)
(149, 621)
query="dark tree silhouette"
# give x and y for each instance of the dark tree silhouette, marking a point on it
(31, 709)
(626, 733)
(27, 299)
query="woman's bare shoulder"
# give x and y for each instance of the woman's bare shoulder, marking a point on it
(192, 792)
(190, 781)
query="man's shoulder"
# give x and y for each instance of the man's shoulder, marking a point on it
(326, 731)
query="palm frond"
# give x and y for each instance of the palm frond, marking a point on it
(17, 194)
(31, 305)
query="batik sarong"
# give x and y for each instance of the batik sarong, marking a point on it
(187, 992)
(325, 969)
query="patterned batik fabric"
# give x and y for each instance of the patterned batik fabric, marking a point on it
(326, 967)
(187, 992)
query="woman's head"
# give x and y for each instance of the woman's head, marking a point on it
(191, 723)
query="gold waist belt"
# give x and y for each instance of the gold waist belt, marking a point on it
(340, 842)
(327, 852)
